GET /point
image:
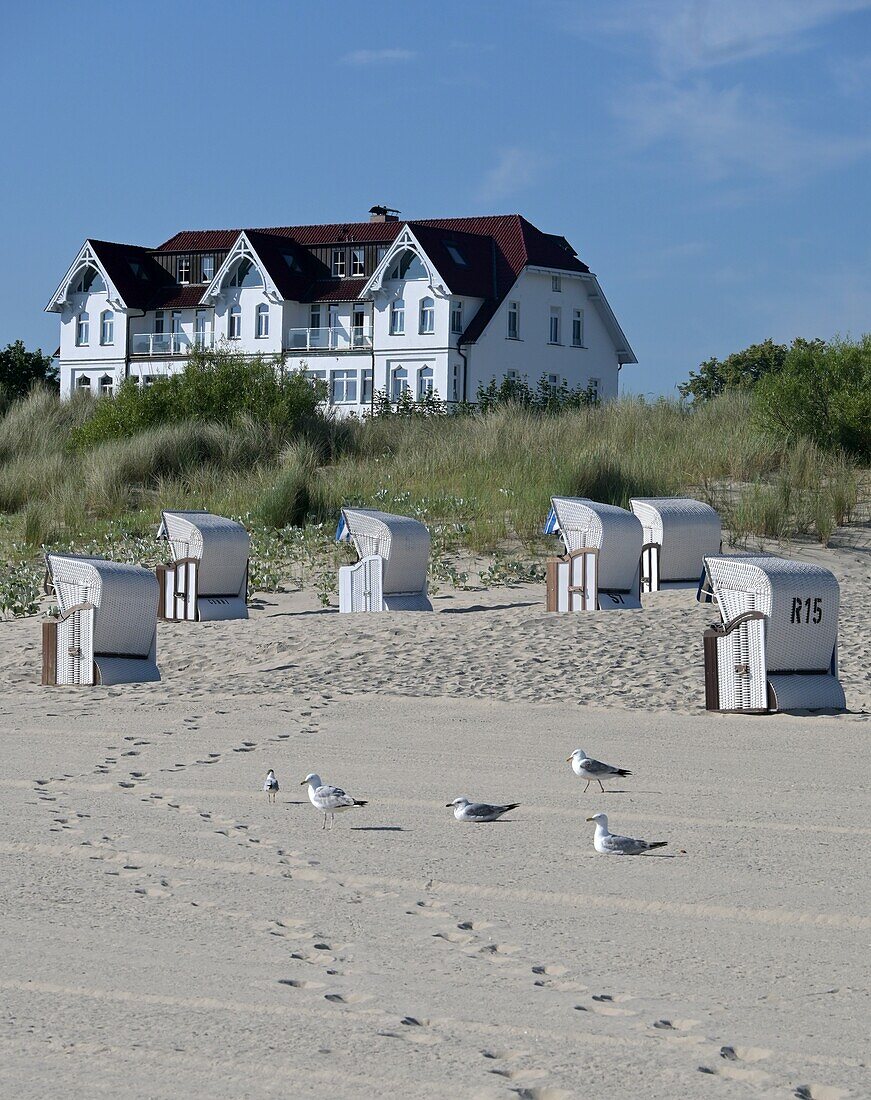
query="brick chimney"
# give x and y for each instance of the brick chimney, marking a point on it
(383, 214)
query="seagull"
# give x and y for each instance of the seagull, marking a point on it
(590, 769)
(610, 844)
(464, 810)
(270, 785)
(327, 799)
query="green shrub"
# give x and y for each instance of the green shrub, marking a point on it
(822, 392)
(288, 502)
(220, 387)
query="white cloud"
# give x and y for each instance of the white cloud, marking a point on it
(515, 170)
(377, 57)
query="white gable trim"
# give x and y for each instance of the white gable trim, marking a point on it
(87, 257)
(405, 242)
(243, 248)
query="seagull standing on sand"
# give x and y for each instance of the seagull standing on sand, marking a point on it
(464, 810)
(610, 844)
(327, 799)
(590, 769)
(270, 785)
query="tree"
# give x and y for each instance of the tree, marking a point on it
(740, 370)
(823, 392)
(21, 369)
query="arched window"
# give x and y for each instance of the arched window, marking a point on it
(427, 315)
(107, 327)
(107, 385)
(262, 327)
(83, 330)
(398, 383)
(407, 265)
(397, 317)
(424, 383)
(83, 383)
(245, 273)
(234, 323)
(88, 280)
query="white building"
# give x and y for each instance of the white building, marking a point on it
(442, 305)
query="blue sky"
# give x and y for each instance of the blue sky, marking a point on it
(710, 161)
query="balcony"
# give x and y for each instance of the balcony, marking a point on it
(162, 344)
(328, 339)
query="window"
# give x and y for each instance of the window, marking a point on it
(177, 338)
(593, 388)
(333, 318)
(314, 317)
(456, 392)
(358, 266)
(234, 323)
(83, 328)
(456, 255)
(397, 318)
(344, 386)
(159, 322)
(208, 268)
(512, 375)
(553, 337)
(316, 375)
(553, 380)
(245, 273)
(339, 263)
(261, 329)
(424, 383)
(358, 327)
(184, 269)
(556, 283)
(149, 380)
(83, 382)
(107, 385)
(398, 383)
(427, 315)
(380, 253)
(201, 328)
(456, 316)
(366, 385)
(292, 262)
(578, 328)
(107, 327)
(513, 320)
(317, 338)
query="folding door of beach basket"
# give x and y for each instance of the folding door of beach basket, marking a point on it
(679, 533)
(600, 569)
(391, 574)
(208, 578)
(106, 630)
(777, 645)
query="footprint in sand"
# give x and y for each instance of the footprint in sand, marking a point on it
(744, 1054)
(346, 998)
(453, 937)
(520, 1076)
(737, 1073)
(605, 1005)
(544, 1092)
(819, 1092)
(296, 983)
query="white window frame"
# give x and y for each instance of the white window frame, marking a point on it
(556, 284)
(427, 316)
(397, 317)
(83, 382)
(554, 333)
(366, 385)
(358, 331)
(261, 321)
(425, 381)
(343, 387)
(457, 316)
(83, 329)
(339, 263)
(234, 322)
(398, 383)
(514, 315)
(512, 376)
(201, 327)
(358, 262)
(184, 270)
(554, 381)
(595, 384)
(159, 322)
(577, 328)
(107, 328)
(209, 261)
(106, 385)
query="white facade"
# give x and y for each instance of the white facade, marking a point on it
(405, 330)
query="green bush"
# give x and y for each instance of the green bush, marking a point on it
(822, 392)
(216, 386)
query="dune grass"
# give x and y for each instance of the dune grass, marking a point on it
(481, 481)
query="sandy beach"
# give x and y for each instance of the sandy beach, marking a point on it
(167, 932)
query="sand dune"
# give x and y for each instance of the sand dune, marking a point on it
(168, 932)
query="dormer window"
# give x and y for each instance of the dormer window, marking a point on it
(358, 266)
(338, 263)
(184, 269)
(456, 255)
(208, 268)
(292, 263)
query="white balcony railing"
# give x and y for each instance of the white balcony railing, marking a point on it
(169, 343)
(328, 339)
